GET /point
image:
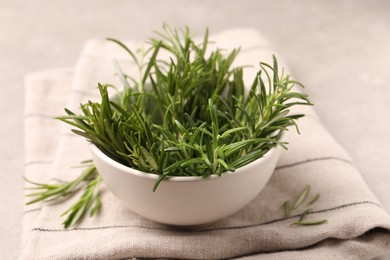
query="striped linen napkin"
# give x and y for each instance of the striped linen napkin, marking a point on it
(357, 225)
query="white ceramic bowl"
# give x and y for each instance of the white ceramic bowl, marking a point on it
(186, 200)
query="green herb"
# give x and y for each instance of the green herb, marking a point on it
(309, 222)
(189, 115)
(90, 199)
(301, 198)
(314, 199)
(287, 209)
(302, 216)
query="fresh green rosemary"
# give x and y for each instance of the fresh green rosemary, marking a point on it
(189, 115)
(289, 208)
(89, 200)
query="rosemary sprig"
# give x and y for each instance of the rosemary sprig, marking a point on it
(90, 199)
(195, 118)
(288, 209)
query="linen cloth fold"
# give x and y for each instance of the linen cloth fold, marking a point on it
(357, 225)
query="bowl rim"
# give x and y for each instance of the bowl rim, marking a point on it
(267, 156)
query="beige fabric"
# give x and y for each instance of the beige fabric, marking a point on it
(358, 227)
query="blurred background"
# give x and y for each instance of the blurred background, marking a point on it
(339, 49)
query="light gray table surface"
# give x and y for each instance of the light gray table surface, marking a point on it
(339, 49)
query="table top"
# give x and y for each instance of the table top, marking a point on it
(339, 49)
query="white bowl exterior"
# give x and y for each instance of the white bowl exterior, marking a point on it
(185, 200)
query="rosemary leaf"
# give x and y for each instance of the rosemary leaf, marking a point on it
(303, 215)
(314, 199)
(309, 222)
(301, 198)
(287, 209)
